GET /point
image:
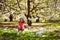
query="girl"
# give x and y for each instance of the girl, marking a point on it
(21, 24)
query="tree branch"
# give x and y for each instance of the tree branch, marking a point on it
(18, 4)
(34, 7)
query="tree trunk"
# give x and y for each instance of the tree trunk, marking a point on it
(11, 17)
(28, 15)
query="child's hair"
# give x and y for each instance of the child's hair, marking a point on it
(22, 19)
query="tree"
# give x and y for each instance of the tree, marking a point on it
(47, 9)
(11, 17)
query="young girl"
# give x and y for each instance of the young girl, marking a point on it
(21, 24)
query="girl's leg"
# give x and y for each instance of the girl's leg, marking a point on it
(18, 29)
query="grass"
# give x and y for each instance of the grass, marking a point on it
(40, 24)
(9, 23)
(12, 34)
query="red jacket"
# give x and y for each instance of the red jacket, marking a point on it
(21, 24)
